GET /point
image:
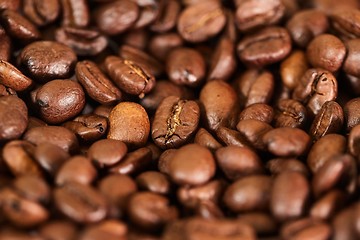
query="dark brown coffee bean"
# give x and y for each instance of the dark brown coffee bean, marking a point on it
(59, 136)
(346, 21)
(76, 169)
(167, 17)
(251, 193)
(185, 66)
(129, 123)
(329, 58)
(220, 103)
(223, 61)
(175, 122)
(257, 111)
(60, 100)
(136, 38)
(116, 17)
(198, 228)
(161, 45)
(58, 230)
(253, 131)
(230, 137)
(11, 77)
(149, 11)
(266, 46)
(13, 117)
(129, 76)
(237, 162)
(155, 182)
(117, 197)
(330, 119)
(293, 68)
(50, 157)
(306, 228)
(134, 162)
(75, 13)
(88, 127)
(18, 156)
(150, 210)
(262, 223)
(46, 60)
(280, 165)
(255, 86)
(41, 12)
(352, 113)
(326, 207)
(84, 42)
(316, 87)
(290, 113)
(21, 211)
(289, 196)
(192, 164)
(304, 25)
(164, 160)
(33, 188)
(107, 152)
(201, 21)
(286, 142)
(109, 229)
(205, 139)
(18, 26)
(80, 202)
(252, 14)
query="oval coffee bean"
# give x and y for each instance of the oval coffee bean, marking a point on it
(253, 131)
(33, 188)
(75, 13)
(352, 113)
(41, 12)
(205, 139)
(290, 113)
(11, 77)
(257, 111)
(293, 68)
(153, 181)
(107, 152)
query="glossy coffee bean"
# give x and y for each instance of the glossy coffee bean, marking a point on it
(205, 139)
(107, 152)
(280, 165)
(346, 21)
(167, 17)
(75, 13)
(253, 131)
(11, 77)
(155, 182)
(109, 229)
(290, 113)
(41, 12)
(33, 188)
(161, 45)
(257, 111)
(293, 68)
(351, 113)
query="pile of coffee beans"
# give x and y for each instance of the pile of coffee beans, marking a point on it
(179, 119)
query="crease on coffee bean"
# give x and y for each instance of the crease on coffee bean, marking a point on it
(314, 84)
(138, 70)
(204, 19)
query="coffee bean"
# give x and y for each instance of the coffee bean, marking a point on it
(129, 123)
(192, 164)
(257, 111)
(10, 4)
(175, 122)
(46, 60)
(33, 188)
(231, 137)
(164, 160)
(58, 230)
(149, 11)
(290, 113)
(167, 17)
(266, 46)
(201, 21)
(280, 165)
(5, 48)
(11, 77)
(80, 202)
(75, 13)
(161, 45)
(205, 139)
(343, 224)
(326, 207)
(262, 223)
(305, 228)
(107, 152)
(293, 68)
(253, 131)
(352, 113)
(41, 12)
(346, 21)
(154, 182)
(109, 229)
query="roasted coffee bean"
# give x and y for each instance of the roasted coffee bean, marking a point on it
(134, 162)
(328, 6)
(75, 13)
(255, 86)
(10, 4)
(304, 25)
(205, 139)
(346, 21)
(251, 193)
(60, 100)
(293, 68)
(164, 160)
(59, 136)
(41, 12)
(252, 14)
(129, 122)
(231, 137)
(286, 142)
(79, 202)
(253, 131)
(137, 38)
(155, 182)
(167, 17)
(161, 45)
(316, 87)
(109, 229)
(117, 197)
(47, 60)
(150, 210)
(280, 165)
(219, 101)
(330, 119)
(5, 48)
(326, 207)
(266, 46)
(352, 56)
(33, 188)
(11, 77)
(13, 117)
(329, 58)
(201, 21)
(129, 76)
(185, 66)
(88, 127)
(290, 113)
(352, 113)
(107, 152)
(6, 91)
(18, 156)
(18, 26)
(237, 162)
(76, 169)
(289, 196)
(175, 122)
(192, 165)
(84, 42)
(149, 11)
(116, 17)
(257, 111)
(262, 223)
(306, 228)
(58, 230)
